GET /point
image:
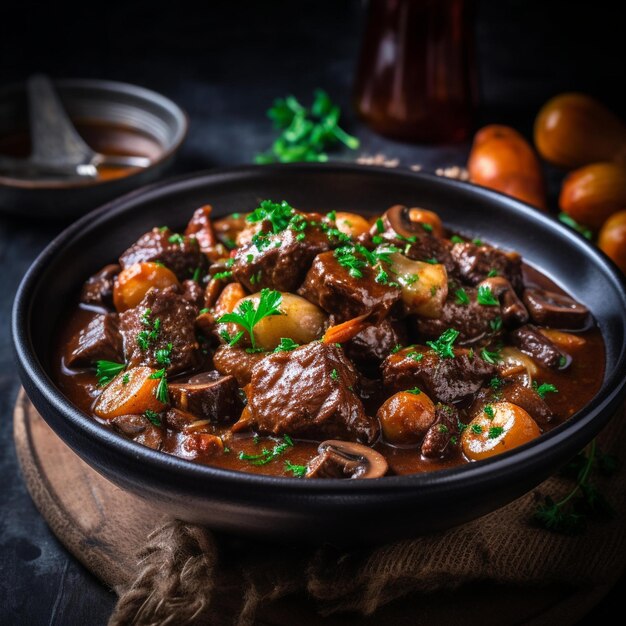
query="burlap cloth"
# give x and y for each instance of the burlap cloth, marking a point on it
(188, 575)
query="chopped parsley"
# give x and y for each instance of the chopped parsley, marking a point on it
(396, 348)
(106, 371)
(334, 375)
(125, 379)
(177, 239)
(161, 391)
(477, 242)
(286, 345)
(427, 227)
(380, 226)
(457, 239)
(544, 388)
(432, 261)
(489, 412)
(496, 382)
(248, 316)
(223, 275)
(298, 471)
(415, 391)
(164, 355)
(197, 274)
(461, 297)
(496, 324)
(491, 356)
(477, 429)
(443, 345)
(494, 432)
(266, 456)
(486, 297)
(146, 337)
(415, 356)
(442, 428)
(278, 214)
(153, 416)
(492, 273)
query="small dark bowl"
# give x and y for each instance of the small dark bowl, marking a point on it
(94, 101)
(367, 510)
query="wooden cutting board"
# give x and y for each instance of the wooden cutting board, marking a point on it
(104, 527)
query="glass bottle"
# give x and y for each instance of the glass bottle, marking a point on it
(415, 79)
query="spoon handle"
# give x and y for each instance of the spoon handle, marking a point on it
(53, 136)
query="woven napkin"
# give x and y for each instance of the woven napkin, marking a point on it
(498, 569)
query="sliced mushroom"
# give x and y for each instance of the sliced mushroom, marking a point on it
(514, 312)
(529, 339)
(549, 308)
(399, 219)
(346, 459)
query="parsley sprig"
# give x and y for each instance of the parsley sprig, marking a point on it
(485, 296)
(443, 345)
(298, 471)
(544, 388)
(106, 371)
(570, 514)
(306, 134)
(161, 392)
(248, 316)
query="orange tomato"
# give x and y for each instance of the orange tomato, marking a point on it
(503, 160)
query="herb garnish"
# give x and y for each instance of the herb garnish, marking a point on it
(146, 337)
(443, 345)
(247, 316)
(267, 455)
(457, 239)
(222, 275)
(496, 382)
(416, 356)
(298, 471)
(278, 214)
(305, 133)
(106, 371)
(486, 297)
(177, 239)
(495, 432)
(495, 324)
(461, 297)
(568, 515)
(334, 375)
(544, 388)
(489, 412)
(477, 429)
(492, 273)
(161, 391)
(153, 416)
(164, 355)
(572, 223)
(286, 345)
(491, 356)
(415, 391)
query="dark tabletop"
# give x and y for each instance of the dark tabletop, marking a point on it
(224, 66)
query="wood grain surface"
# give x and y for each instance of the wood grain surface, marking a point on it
(104, 527)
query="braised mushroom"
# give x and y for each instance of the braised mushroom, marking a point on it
(399, 219)
(346, 459)
(514, 312)
(549, 308)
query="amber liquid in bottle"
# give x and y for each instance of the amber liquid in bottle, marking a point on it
(415, 80)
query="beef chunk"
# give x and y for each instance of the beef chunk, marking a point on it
(201, 227)
(309, 393)
(473, 263)
(99, 340)
(330, 285)
(372, 345)
(529, 339)
(208, 396)
(178, 419)
(279, 261)
(473, 320)
(515, 393)
(180, 254)
(162, 318)
(193, 292)
(236, 362)
(442, 438)
(443, 379)
(140, 429)
(98, 290)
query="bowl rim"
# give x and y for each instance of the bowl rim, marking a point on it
(117, 87)
(511, 465)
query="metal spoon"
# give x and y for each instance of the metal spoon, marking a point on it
(57, 148)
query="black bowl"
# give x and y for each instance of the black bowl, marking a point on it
(324, 509)
(104, 102)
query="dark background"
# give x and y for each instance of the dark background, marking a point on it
(224, 63)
